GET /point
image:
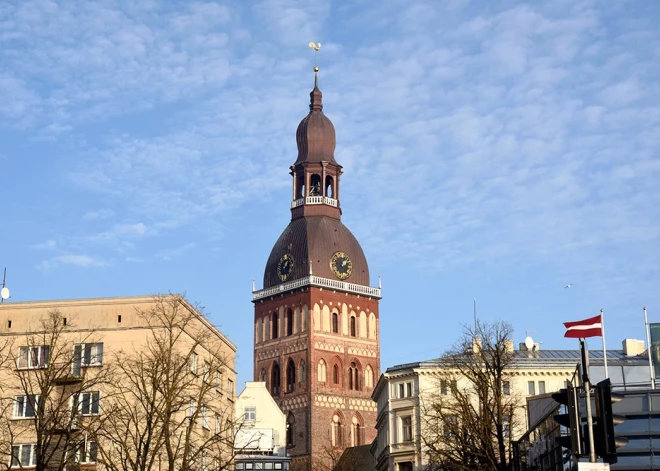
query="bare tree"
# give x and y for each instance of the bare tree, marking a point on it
(170, 411)
(468, 420)
(50, 395)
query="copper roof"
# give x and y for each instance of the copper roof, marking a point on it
(316, 134)
(316, 238)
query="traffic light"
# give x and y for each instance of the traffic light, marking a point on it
(569, 397)
(605, 442)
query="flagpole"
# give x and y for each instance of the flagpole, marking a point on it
(648, 350)
(602, 326)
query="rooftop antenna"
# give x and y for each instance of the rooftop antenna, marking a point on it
(4, 292)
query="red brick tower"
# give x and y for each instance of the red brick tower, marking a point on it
(316, 319)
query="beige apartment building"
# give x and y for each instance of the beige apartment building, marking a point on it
(122, 383)
(403, 392)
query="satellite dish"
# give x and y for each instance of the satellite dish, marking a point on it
(4, 293)
(529, 342)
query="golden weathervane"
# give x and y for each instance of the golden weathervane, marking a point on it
(316, 47)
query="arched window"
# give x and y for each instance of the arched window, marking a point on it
(353, 375)
(315, 185)
(357, 432)
(275, 380)
(335, 374)
(335, 323)
(369, 377)
(289, 322)
(329, 187)
(303, 371)
(321, 373)
(276, 326)
(337, 430)
(290, 376)
(263, 375)
(353, 329)
(290, 430)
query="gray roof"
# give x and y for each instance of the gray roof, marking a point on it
(543, 358)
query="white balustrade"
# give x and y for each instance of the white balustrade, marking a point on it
(320, 282)
(314, 200)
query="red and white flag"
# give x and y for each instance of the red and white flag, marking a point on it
(592, 327)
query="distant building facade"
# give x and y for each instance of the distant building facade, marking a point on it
(402, 391)
(68, 366)
(262, 430)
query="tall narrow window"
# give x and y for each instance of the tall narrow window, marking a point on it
(290, 430)
(303, 371)
(289, 322)
(335, 374)
(353, 330)
(290, 376)
(275, 380)
(276, 325)
(335, 323)
(406, 428)
(321, 373)
(337, 431)
(541, 387)
(357, 437)
(263, 375)
(353, 375)
(530, 388)
(369, 377)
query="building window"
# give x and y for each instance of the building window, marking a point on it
(335, 374)
(335, 323)
(276, 325)
(289, 322)
(506, 427)
(406, 428)
(451, 424)
(26, 406)
(263, 375)
(205, 418)
(23, 455)
(303, 371)
(530, 388)
(541, 387)
(206, 373)
(217, 423)
(230, 388)
(443, 387)
(192, 408)
(352, 327)
(87, 403)
(193, 363)
(357, 437)
(321, 373)
(290, 376)
(353, 375)
(250, 413)
(87, 452)
(405, 390)
(506, 388)
(337, 431)
(275, 380)
(33, 357)
(406, 466)
(369, 377)
(88, 354)
(290, 430)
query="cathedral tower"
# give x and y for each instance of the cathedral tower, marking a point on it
(316, 319)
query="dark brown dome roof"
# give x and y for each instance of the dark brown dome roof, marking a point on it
(316, 133)
(316, 238)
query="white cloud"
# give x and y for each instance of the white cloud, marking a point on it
(83, 261)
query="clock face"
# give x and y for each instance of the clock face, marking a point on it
(341, 265)
(285, 266)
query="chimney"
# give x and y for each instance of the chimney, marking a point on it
(508, 346)
(633, 347)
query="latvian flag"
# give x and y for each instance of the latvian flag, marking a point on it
(591, 327)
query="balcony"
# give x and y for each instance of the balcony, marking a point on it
(317, 281)
(314, 200)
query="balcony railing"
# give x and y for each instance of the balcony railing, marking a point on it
(314, 200)
(312, 280)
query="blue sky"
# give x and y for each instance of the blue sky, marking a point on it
(497, 150)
